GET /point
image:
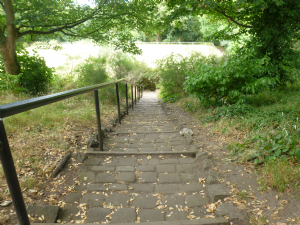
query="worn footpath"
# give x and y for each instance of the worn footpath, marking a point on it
(149, 172)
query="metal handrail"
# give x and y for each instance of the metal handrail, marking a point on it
(174, 43)
(22, 106)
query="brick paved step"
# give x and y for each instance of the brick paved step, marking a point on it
(204, 221)
(130, 188)
(166, 153)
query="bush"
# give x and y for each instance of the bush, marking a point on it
(111, 65)
(172, 73)
(35, 75)
(229, 82)
(121, 64)
(93, 71)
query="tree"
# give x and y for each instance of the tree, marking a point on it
(186, 28)
(272, 25)
(107, 21)
(158, 25)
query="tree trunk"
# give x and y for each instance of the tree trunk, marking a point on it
(157, 37)
(9, 56)
(8, 43)
(179, 39)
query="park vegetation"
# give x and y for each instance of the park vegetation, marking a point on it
(250, 94)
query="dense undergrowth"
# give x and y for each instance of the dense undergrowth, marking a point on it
(258, 113)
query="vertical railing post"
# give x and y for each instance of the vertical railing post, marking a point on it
(142, 91)
(100, 137)
(12, 178)
(126, 87)
(132, 96)
(135, 94)
(139, 92)
(118, 102)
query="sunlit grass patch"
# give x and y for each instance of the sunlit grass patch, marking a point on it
(280, 174)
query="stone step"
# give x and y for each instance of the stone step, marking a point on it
(204, 221)
(92, 151)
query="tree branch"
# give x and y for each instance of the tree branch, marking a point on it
(233, 20)
(2, 4)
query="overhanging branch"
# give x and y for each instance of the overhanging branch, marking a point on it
(230, 18)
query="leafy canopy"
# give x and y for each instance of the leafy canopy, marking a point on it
(107, 21)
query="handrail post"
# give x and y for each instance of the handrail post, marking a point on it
(100, 137)
(132, 96)
(118, 102)
(142, 91)
(135, 94)
(12, 178)
(126, 87)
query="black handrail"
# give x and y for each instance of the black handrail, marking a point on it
(22, 106)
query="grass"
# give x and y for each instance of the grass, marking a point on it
(39, 138)
(264, 131)
(242, 195)
(280, 174)
(259, 220)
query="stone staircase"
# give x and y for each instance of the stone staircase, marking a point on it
(149, 173)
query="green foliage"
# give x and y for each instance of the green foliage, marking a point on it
(231, 81)
(186, 29)
(93, 71)
(274, 127)
(270, 24)
(191, 106)
(171, 98)
(172, 72)
(63, 83)
(148, 82)
(34, 79)
(7, 81)
(111, 65)
(236, 110)
(35, 75)
(121, 64)
(280, 174)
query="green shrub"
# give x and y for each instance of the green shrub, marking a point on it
(147, 83)
(93, 71)
(121, 64)
(9, 82)
(35, 75)
(229, 82)
(172, 72)
(148, 79)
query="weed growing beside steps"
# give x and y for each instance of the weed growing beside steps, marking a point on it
(264, 131)
(280, 174)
